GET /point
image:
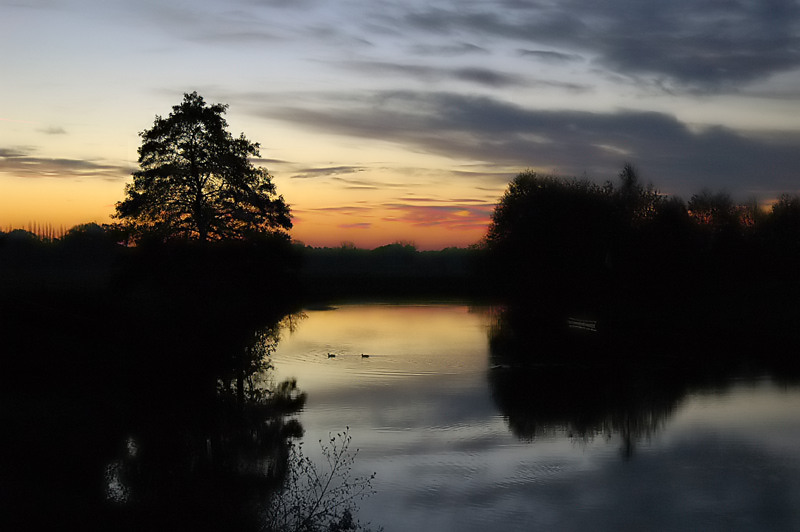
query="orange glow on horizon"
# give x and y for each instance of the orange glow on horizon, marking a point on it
(57, 202)
(66, 203)
(427, 227)
(427, 238)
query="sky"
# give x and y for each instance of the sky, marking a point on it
(385, 121)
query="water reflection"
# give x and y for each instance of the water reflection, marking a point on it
(432, 407)
(548, 375)
(159, 420)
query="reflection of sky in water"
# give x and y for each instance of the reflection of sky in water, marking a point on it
(421, 412)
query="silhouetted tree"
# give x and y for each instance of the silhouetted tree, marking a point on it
(726, 257)
(549, 238)
(783, 224)
(639, 203)
(196, 180)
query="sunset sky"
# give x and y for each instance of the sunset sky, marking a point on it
(401, 120)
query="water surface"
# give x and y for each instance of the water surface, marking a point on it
(454, 450)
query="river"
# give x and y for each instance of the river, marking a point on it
(454, 449)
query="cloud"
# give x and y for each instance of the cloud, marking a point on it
(550, 56)
(485, 76)
(359, 225)
(704, 45)
(679, 158)
(477, 75)
(465, 217)
(693, 45)
(212, 23)
(371, 183)
(683, 45)
(326, 171)
(456, 215)
(20, 162)
(54, 131)
(355, 210)
(415, 199)
(13, 153)
(260, 160)
(253, 23)
(360, 184)
(447, 50)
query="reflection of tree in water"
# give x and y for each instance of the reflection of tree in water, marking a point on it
(583, 402)
(143, 419)
(248, 376)
(547, 377)
(209, 459)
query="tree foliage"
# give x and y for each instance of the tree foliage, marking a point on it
(196, 181)
(621, 251)
(550, 235)
(639, 204)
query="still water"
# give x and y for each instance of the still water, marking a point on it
(431, 418)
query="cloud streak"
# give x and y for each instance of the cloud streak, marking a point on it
(550, 56)
(54, 130)
(564, 141)
(693, 45)
(21, 163)
(326, 171)
(684, 45)
(357, 225)
(453, 217)
(476, 75)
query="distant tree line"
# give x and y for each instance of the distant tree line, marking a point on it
(99, 258)
(93, 259)
(397, 269)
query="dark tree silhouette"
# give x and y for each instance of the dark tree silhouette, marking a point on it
(549, 238)
(639, 204)
(783, 225)
(196, 181)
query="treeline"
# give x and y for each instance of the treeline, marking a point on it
(393, 270)
(91, 257)
(631, 258)
(82, 257)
